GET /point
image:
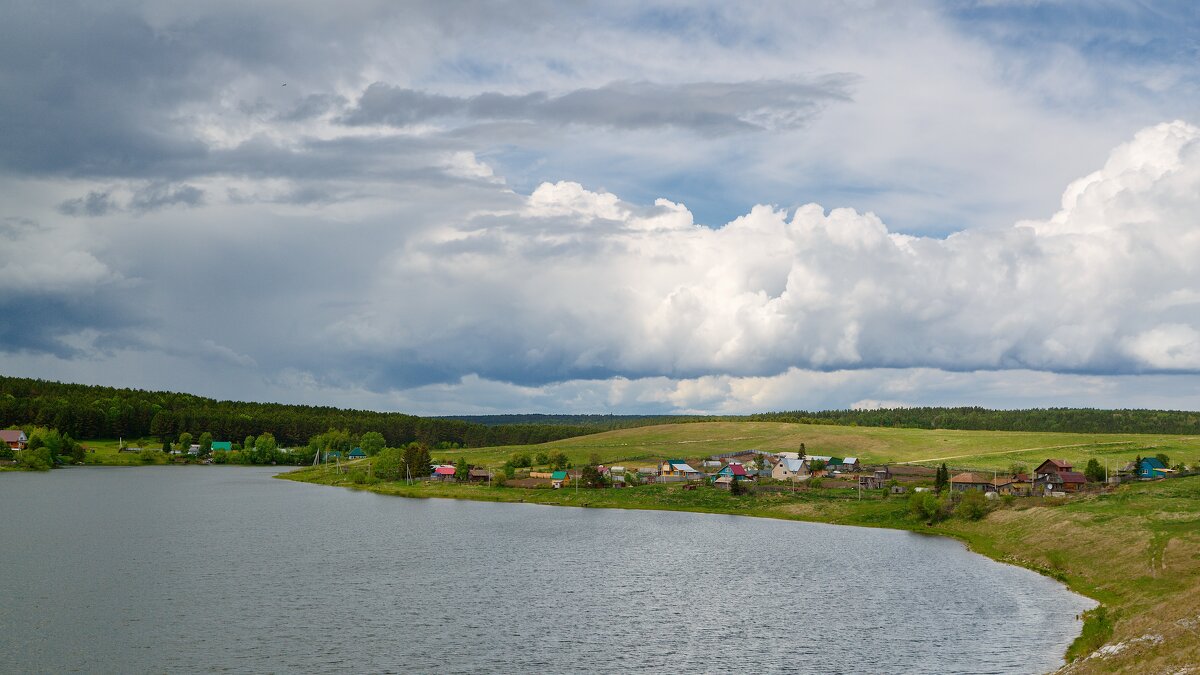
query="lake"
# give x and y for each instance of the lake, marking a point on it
(200, 569)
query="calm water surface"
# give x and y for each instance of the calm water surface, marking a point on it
(208, 569)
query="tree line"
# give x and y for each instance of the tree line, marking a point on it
(1074, 420)
(89, 412)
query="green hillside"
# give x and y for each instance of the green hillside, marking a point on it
(966, 449)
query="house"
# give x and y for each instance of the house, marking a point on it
(15, 438)
(790, 469)
(732, 471)
(194, 449)
(971, 481)
(677, 468)
(851, 464)
(479, 475)
(1016, 484)
(833, 464)
(222, 446)
(875, 481)
(443, 472)
(357, 453)
(559, 479)
(331, 455)
(1072, 481)
(1059, 482)
(1152, 467)
(712, 464)
(1052, 466)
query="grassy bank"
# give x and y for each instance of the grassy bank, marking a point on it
(1136, 550)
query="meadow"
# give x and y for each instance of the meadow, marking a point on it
(985, 450)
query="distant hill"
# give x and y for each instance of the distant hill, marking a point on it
(599, 421)
(1074, 420)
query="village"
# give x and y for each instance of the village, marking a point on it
(758, 470)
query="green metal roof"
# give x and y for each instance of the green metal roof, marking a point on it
(357, 452)
(222, 445)
(559, 475)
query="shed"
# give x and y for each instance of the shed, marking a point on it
(357, 453)
(559, 479)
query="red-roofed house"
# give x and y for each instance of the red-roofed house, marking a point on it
(1052, 466)
(15, 438)
(444, 472)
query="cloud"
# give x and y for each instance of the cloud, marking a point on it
(95, 203)
(713, 107)
(607, 288)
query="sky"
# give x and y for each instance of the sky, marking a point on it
(609, 207)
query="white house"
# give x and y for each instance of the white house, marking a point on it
(790, 469)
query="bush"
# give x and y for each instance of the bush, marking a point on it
(815, 482)
(541, 459)
(927, 507)
(521, 460)
(1008, 500)
(973, 506)
(152, 457)
(38, 459)
(5, 451)
(736, 488)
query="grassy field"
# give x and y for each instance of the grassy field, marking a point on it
(644, 446)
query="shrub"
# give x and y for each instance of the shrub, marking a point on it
(38, 459)
(815, 482)
(521, 460)
(541, 459)
(927, 507)
(1008, 500)
(973, 506)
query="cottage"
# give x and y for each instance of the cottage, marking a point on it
(790, 469)
(851, 464)
(559, 479)
(1052, 466)
(677, 468)
(222, 446)
(1059, 482)
(444, 472)
(479, 475)
(1016, 484)
(14, 438)
(330, 456)
(732, 471)
(357, 453)
(1152, 467)
(971, 481)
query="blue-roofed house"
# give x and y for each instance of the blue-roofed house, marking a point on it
(1152, 467)
(357, 453)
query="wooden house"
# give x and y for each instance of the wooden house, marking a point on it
(1152, 467)
(357, 453)
(559, 479)
(972, 481)
(15, 439)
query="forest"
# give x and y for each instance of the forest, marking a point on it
(1070, 420)
(89, 412)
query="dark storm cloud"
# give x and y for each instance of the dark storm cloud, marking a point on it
(700, 106)
(94, 203)
(160, 195)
